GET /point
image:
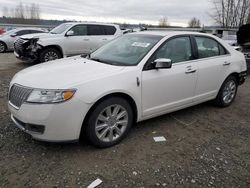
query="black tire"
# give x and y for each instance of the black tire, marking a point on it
(219, 101)
(3, 47)
(90, 124)
(47, 52)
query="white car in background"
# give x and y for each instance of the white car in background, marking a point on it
(133, 78)
(7, 39)
(230, 39)
(66, 40)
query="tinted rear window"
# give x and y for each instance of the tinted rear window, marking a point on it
(36, 31)
(96, 30)
(109, 30)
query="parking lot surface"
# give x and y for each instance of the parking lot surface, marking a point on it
(205, 146)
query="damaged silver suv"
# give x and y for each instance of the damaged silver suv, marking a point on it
(66, 40)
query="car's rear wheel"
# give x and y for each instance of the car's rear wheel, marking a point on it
(49, 54)
(2, 47)
(227, 92)
(109, 122)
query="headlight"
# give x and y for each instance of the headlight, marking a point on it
(50, 96)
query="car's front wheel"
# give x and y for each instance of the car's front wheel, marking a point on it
(49, 54)
(227, 92)
(109, 122)
(2, 47)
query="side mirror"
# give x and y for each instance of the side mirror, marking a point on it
(163, 63)
(13, 35)
(70, 33)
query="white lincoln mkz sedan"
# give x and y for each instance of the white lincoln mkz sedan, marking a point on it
(133, 78)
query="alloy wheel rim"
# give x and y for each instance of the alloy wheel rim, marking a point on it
(49, 56)
(2, 47)
(229, 92)
(111, 123)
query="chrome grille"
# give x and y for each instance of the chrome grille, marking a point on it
(18, 95)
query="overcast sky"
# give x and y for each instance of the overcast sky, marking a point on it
(178, 12)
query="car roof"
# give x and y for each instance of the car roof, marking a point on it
(31, 28)
(171, 33)
(27, 28)
(91, 23)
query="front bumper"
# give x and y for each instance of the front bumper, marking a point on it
(28, 128)
(23, 50)
(24, 57)
(62, 122)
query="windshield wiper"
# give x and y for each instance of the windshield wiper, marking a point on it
(106, 62)
(100, 61)
(96, 59)
(87, 56)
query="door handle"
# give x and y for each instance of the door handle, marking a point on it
(104, 39)
(190, 70)
(226, 63)
(86, 39)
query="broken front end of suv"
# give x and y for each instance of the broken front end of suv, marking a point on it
(27, 49)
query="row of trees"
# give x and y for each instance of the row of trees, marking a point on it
(193, 23)
(163, 22)
(226, 13)
(23, 13)
(231, 13)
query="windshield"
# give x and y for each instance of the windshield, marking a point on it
(60, 29)
(127, 50)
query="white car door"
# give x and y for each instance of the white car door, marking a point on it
(76, 41)
(97, 36)
(213, 66)
(165, 90)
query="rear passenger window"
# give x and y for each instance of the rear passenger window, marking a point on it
(96, 30)
(109, 30)
(208, 47)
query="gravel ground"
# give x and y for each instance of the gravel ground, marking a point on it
(206, 147)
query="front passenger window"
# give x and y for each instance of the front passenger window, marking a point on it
(79, 30)
(177, 49)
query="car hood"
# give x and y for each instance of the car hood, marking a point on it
(64, 73)
(38, 35)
